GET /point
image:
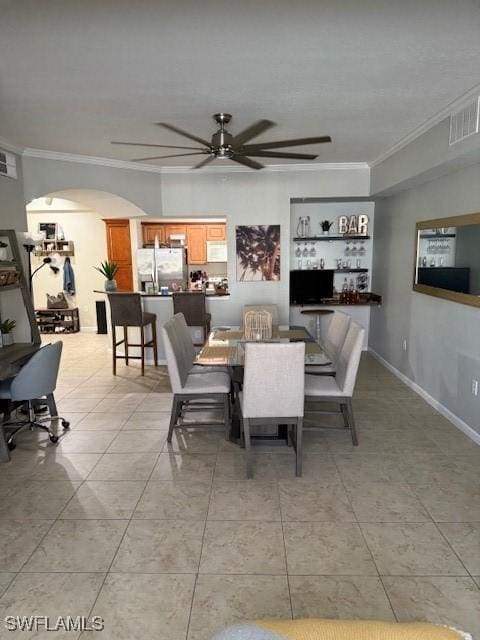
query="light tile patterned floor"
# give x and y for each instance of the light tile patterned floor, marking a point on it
(170, 542)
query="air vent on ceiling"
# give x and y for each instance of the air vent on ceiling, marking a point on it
(465, 122)
(8, 165)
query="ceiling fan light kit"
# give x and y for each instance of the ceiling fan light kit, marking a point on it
(225, 146)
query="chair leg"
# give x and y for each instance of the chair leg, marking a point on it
(248, 452)
(155, 344)
(125, 337)
(114, 349)
(344, 410)
(226, 416)
(299, 447)
(142, 342)
(52, 406)
(4, 452)
(176, 408)
(351, 422)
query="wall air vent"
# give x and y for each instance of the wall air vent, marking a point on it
(465, 122)
(8, 164)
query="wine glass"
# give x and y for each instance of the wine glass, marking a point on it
(305, 251)
(298, 252)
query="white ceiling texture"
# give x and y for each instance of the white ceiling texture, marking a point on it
(76, 74)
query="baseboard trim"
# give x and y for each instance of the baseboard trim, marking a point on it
(433, 402)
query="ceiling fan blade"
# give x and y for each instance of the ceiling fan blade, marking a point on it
(183, 133)
(252, 132)
(204, 162)
(146, 144)
(173, 155)
(247, 161)
(278, 154)
(285, 143)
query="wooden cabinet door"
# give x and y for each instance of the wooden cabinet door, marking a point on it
(197, 244)
(215, 231)
(150, 231)
(173, 229)
(119, 249)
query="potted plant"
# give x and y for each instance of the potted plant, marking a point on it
(326, 225)
(108, 271)
(3, 251)
(6, 328)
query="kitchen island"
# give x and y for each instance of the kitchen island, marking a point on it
(162, 307)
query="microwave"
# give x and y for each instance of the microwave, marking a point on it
(216, 251)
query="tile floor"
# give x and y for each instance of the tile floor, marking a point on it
(171, 542)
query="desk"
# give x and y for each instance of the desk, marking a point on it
(14, 356)
(11, 360)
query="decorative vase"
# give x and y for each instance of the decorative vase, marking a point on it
(326, 232)
(110, 285)
(7, 339)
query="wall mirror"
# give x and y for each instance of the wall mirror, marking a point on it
(447, 258)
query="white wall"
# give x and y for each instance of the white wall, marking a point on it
(443, 337)
(256, 198)
(87, 230)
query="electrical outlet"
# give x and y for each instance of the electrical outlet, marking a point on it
(404, 345)
(475, 387)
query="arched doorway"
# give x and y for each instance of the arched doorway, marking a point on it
(95, 226)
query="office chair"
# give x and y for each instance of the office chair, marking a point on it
(36, 379)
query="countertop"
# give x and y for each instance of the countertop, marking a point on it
(159, 295)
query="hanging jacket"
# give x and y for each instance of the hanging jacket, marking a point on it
(68, 277)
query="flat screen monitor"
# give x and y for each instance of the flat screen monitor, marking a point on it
(311, 287)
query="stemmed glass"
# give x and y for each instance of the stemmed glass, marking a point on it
(305, 251)
(313, 252)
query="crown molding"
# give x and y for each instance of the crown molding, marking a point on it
(149, 168)
(428, 124)
(8, 146)
(104, 162)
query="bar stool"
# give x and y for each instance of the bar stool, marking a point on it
(318, 313)
(126, 311)
(193, 307)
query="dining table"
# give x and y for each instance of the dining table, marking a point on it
(225, 347)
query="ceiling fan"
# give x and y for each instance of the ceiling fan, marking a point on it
(226, 146)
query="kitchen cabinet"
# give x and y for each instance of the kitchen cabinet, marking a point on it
(150, 231)
(197, 243)
(174, 229)
(196, 237)
(215, 231)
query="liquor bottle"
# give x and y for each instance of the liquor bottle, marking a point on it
(351, 295)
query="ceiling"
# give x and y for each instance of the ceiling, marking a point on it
(75, 74)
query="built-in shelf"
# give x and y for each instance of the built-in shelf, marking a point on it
(431, 236)
(62, 247)
(352, 270)
(332, 238)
